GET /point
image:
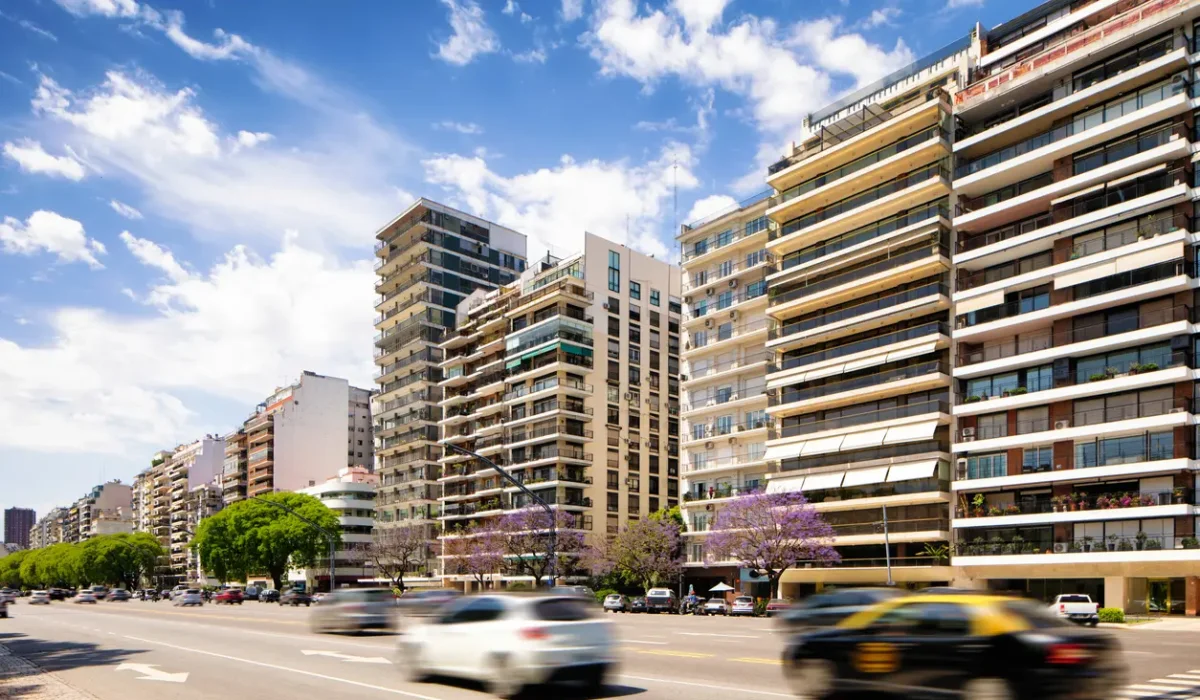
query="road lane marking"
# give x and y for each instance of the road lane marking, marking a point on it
(347, 657)
(714, 634)
(262, 664)
(732, 690)
(671, 652)
(149, 672)
(641, 641)
(748, 660)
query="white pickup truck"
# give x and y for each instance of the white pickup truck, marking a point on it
(1077, 607)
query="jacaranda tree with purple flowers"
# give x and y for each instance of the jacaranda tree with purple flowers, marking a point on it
(647, 552)
(770, 533)
(525, 537)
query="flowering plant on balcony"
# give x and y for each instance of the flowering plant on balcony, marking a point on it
(1102, 502)
(1126, 500)
(1148, 500)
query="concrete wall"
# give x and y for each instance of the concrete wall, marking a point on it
(360, 446)
(310, 432)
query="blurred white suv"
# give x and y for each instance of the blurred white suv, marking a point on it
(743, 605)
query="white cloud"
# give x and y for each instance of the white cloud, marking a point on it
(30, 27)
(469, 128)
(50, 232)
(106, 8)
(512, 9)
(32, 158)
(151, 254)
(707, 206)
(956, 4)
(848, 54)
(123, 382)
(125, 210)
(471, 34)
(627, 203)
(530, 56)
(228, 46)
(250, 139)
(572, 10)
(880, 17)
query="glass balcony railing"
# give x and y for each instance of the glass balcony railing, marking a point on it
(916, 215)
(807, 288)
(863, 345)
(929, 290)
(1109, 414)
(878, 379)
(865, 418)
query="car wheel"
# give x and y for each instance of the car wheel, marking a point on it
(988, 689)
(595, 680)
(501, 682)
(408, 662)
(811, 679)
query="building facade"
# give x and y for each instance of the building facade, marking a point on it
(106, 510)
(235, 469)
(48, 529)
(430, 258)
(1074, 307)
(524, 385)
(17, 524)
(351, 495)
(724, 289)
(192, 472)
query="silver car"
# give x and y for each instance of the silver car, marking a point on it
(354, 610)
(190, 596)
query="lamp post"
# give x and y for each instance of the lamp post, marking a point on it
(328, 537)
(552, 569)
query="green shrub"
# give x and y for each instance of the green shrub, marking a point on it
(604, 593)
(519, 586)
(1112, 615)
(760, 607)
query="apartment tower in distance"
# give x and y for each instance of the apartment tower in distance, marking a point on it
(17, 524)
(724, 403)
(860, 386)
(430, 258)
(525, 387)
(1075, 306)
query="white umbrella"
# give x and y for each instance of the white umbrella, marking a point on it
(720, 588)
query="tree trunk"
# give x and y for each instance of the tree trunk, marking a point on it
(400, 582)
(276, 578)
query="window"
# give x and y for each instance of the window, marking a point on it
(635, 290)
(926, 620)
(614, 349)
(1033, 420)
(1036, 459)
(699, 339)
(635, 376)
(655, 298)
(654, 359)
(725, 331)
(756, 289)
(473, 610)
(614, 393)
(614, 480)
(614, 305)
(614, 280)
(635, 354)
(614, 326)
(655, 339)
(635, 484)
(635, 504)
(1124, 450)
(991, 426)
(635, 313)
(614, 415)
(635, 335)
(987, 466)
(755, 225)
(1096, 367)
(614, 502)
(698, 431)
(724, 299)
(614, 260)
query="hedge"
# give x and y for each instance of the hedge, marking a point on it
(604, 593)
(1112, 615)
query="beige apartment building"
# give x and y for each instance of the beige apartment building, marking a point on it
(430, 258)
(724, 374)
(525, 385)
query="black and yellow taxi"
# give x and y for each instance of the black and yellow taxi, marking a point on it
(974, 647)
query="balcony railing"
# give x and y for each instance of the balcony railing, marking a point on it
(1170, 359)
(807, 287)
(718, 334)
(724, 395)
(1041, 544)
(1098, 416)
(866, 418)
(718, 367)
(569, 285)
(567, 334)
(425, 355)
(871, 380)
(699, 463)
(863, 345)
(519, 435)
(1107, 500)
(544, 384)
(929, 290)
(700, 278)
(722, 302)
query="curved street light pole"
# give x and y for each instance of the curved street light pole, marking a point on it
(552, 567)
(328, 537)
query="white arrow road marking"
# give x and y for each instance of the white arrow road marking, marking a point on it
(347, 657)
(150, 673)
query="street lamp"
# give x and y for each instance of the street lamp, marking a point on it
(553, 564)
(328, 537)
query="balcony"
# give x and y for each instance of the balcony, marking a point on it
(724, 332)
(702, 431)
(536, 432)
(750, 360)
(712, 398)
(866, 418)
(1092, 505)
(926, 293)
(979, 551)
(569, 286)
(861, 346)
(701, 464)
(697, 279)
(862, 388)
(541, 338)
(857, 277)
(726, 300)
(546, 384)
(545, 360)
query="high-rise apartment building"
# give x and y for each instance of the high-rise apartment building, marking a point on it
(235, 471)
(859, 389)
(1075, 306)
(526, 386)
(106, 510)
(199, 503)
(151, 510)
(48, 529)
(724, 401)
(351, 496)
(17, 524)
(193, 473)
(430, 258)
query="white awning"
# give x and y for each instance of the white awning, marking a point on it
(823, 445)
(1140, 173)
(866, 362)
(778, 452)
(819, 482)
(791, 484)
(1087, 274)
(858, 441)
(1076, 194)
(913, 470)
(910, 433)
(983, 301)
(860, 477)
(914, 351)
(824, 372)
(1162, 253)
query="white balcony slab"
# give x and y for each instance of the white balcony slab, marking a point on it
(1077, 516)
(892, 314)
(1026, 562)
(1132, 469)
(911, 347)
(1113, 429)
(860, 251)
(1077, 391)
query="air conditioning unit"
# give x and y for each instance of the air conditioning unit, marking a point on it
(732, 283)
(708, 445)
(709, 292)
(708, 323)
(1062, 424)
(605, 306)
(968, 432)
(683, 377)
(961, 472)
(628, 396)
(1060, 547)
(968, 439)
(733, 315)
(687, 300)
(732, 441)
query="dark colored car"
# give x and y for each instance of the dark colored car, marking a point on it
(229, 596)
(4, 609)
(637, 605)
(268, 595)
(427, 602)
(829, 608)
(58, 594)
(251, 593)
(119, 595)
(955, 646)
(295, 598)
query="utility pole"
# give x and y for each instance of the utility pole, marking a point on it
(328, 537)
(887, 549)
(552, 567)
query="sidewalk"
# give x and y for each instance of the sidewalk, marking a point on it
(21, 679)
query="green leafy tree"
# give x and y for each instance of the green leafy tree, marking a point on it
(251, 536)
(672, 514)
(10, 569)
(647, 552)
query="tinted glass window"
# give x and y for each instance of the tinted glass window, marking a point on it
(561, 610)
(1074, 599)
(926, 619)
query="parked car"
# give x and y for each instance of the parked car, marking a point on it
(426, 602)
(511, 643)
(101, 592)
(354, 610)
(119, 595)
(150, 594)
(8, 595)
(229, 596)
(85, 597)
(637, 605)
(581, 591)
(295, 598)
(955, 645)
(188, 597)
(1078, 608)
(743, 606)
(57, 594)
(662, 600)
(4, 609)
(776, 606)
(829, 608)
(615, 602)
(715, 606)
(39, 598)
(251, 593)
(268, 595)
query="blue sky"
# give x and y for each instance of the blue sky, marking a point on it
(189, 192)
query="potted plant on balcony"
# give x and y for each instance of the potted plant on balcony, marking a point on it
(1190, 543)
(1056, 504)
(1015, 546)
(1020, 391)
(972, 399)
(1177, 495)
(1153, 544)
(995, 545)
(1101, 502)
(1112, 543)
(994, 511)
(1097, 377)
(1148, 499)
(1074, 547)
(1125, 546)
(1088, 543)
(978, 503)
(1140, 539)
(1134, 368)
(1111, 372)
(1126, 500)
(1012, 509)
(1150, 367)
(977, 546)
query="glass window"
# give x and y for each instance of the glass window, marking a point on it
(1037, 459)
(1033, 420)
(991, 426)
(614, 260)
(614, 280)
(1162, 445)
(655, 299)
(635, 290)
(1039, 378)
(987, 466)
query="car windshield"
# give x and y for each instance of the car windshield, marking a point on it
(743, 600)
(1036, 616)
(561, 610)
(614, 597)
(1074, 599)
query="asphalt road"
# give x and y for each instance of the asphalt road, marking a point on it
(135, 650)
